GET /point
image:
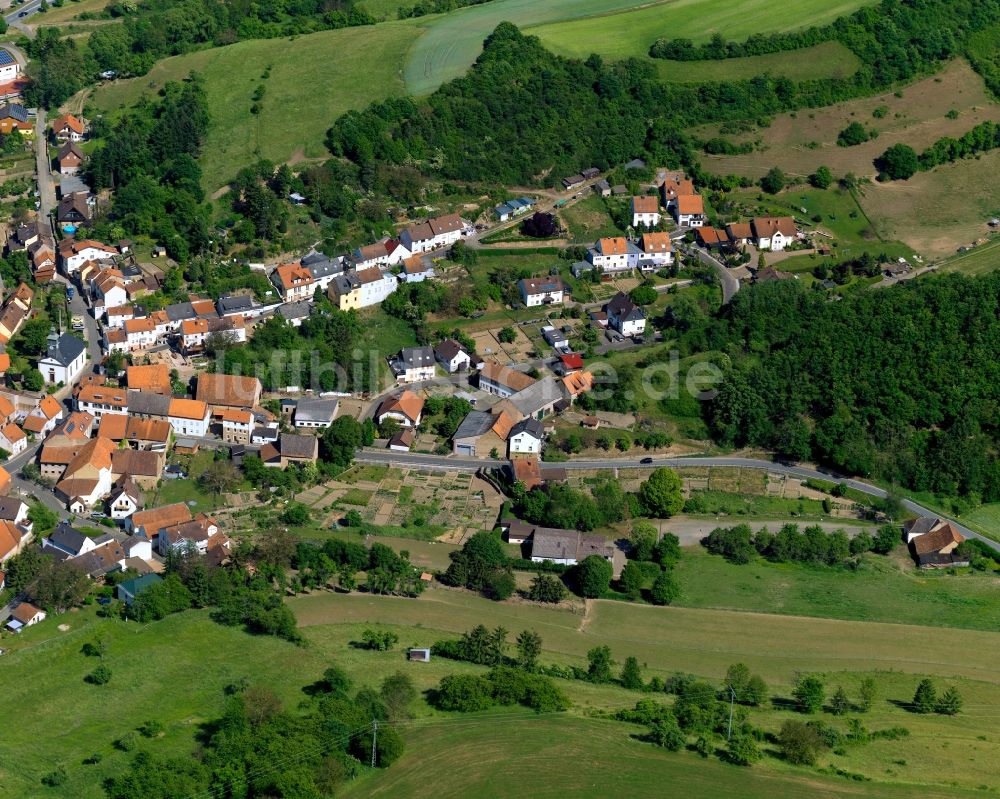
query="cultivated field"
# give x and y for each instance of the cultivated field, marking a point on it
(939, 211)
(630, 33)
(827, 60)
(314, 79)
(800, 142)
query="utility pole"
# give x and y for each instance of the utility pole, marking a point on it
(374, 739)
(732, 700)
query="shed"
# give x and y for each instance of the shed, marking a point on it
(419, 655)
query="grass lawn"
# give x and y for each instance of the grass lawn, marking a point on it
(630, 33)
(69, 11)
(62, 720)
(357, 496)
(975, 262)
(985, 516)
(560, 756)
(314, 79)
(826, 60)
(885, 589)
(720, 502)
(189, 492)
(589, 220)
(841, 216)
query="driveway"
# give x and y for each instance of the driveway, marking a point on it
(46, 185)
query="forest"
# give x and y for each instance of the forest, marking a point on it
(899, 384)
(551, 113)
(149, 159)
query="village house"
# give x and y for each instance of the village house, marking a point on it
(625, 316)
(539, 399)
(228, 391)
(294, 282)
(614, 254)
(148, 523)
(126, 498)
(154, 378)
(9, 68)
(362, 289)
(773, 232)
(189, 417)
(402, 441)
(441, 231)
(526, 438)
(655, 251)
(25, 614)
(537, 291)
(64, 360)
(452, 357)
(107, 290)
(75, 254)
(146, 405)
(689, 210)
(44, 416)
(406, 408)
(144, 467)
(128, 590)
(314, 413)
(513, 208)
(140, 334)
(416, 270)
(568, 547)
(934, 543)
(13, 439)
(388, 252)
(13, 117)
(645, 211)
(413, 364)
(502, 380)
(68, 128)
(16, 511)
(73, 211)
(482, 433)
(290, 448)
(237, 425)
(577, 383)
(13, 539)
(115, 318)
(70, 158)
(323, 269)
(194, 332)
(739, 234)
(88, 477)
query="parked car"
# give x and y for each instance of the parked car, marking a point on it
(174, 473)
(646, 460)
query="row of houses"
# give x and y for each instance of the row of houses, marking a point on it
(773, 233)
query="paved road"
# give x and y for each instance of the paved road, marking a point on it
(439, 462)
(730, 285)
(46, 185)
(15, 20)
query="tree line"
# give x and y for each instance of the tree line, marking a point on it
(901, 161)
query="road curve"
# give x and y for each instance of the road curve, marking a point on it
(465, 464)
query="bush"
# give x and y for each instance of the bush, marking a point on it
(99, 676)
(464, 693)
(925, 698)
(55, 778)
(950, 702)
(665, 589)
(809, 694)
(742, 750)
(545, 588)
(667, 733)
(151, 728)
(592, 576)
(899, 162)
(800, 743)
(379, 640)
(774, 181)
(853, 135)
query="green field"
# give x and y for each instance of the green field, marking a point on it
(509, 757)
(630, 33)
(452, 42)
(314, 79)
(175, 670)
(826, 60)
(883, 589)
